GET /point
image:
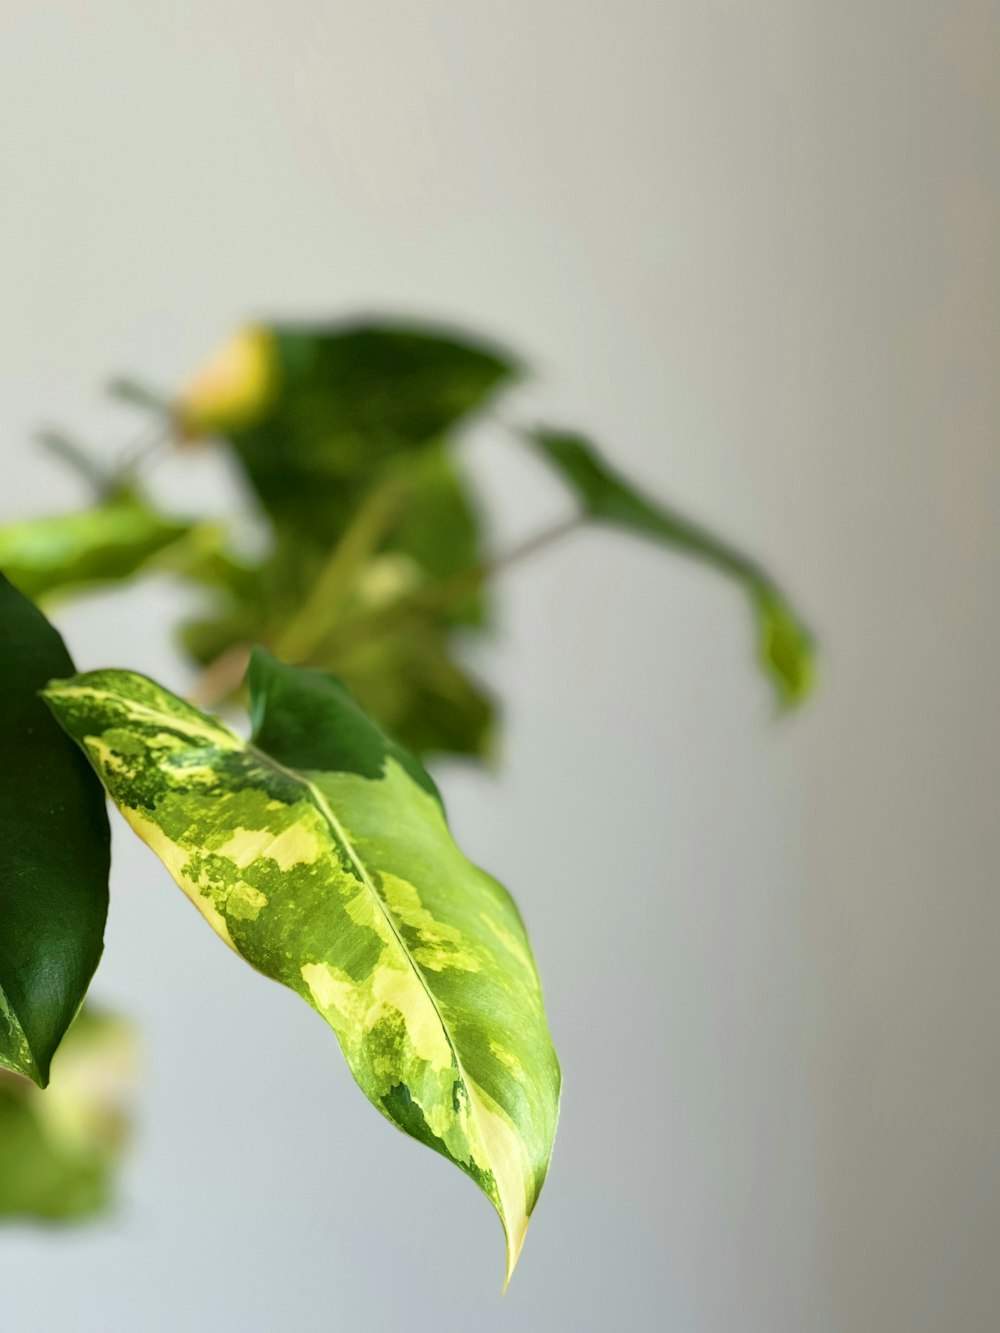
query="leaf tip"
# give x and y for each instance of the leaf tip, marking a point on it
(16, 1051)
(515, 1244)
(787, 651)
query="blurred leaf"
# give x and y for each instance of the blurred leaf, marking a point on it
(54, 850)
(235, 389)
(441, 526)
(319, 851)
(315, 413)
(418, 526)
(785, 645)
(66, 552)
(344, 430)
(202, 556)
(409, 681)
(59, 1149)
(419, 694)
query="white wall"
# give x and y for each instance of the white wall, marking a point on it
(753, 247)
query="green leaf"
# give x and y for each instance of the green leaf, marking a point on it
(441, 526)
(64, 552)
(319, 851)
(411, 684)
(785, 645)
(419, 527)
(54, 850)
(59, 1149)
(315, 413)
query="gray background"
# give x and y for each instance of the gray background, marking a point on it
(754, 248)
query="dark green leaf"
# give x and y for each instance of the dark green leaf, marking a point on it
(54, 849)
(315, 413)
(785, 645)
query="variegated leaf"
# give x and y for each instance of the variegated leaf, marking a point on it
(320, 852)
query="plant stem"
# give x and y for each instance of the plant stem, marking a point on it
(94, 472)
(446, 593)
(222, 676)
(311, 623)
(141, 451)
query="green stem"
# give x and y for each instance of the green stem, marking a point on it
(135, 456)
(223, 675)
(312, 622)
(95, 473)
(445, 594)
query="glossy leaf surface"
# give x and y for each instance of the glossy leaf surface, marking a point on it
(65, 552)
(785, 645)
(59, 1149)
(54, 849)
(320, 852)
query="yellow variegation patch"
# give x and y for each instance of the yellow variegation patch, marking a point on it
(234, 387)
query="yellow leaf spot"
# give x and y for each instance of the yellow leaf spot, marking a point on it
(354, 1008)
(233, 388)
(295, 845)
(510, 942)
(244, 902)
(507, 1059)
(441, 945)
(176, 858)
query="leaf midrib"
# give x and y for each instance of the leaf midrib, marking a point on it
(344, 838)
(211, 733)
(341, 834)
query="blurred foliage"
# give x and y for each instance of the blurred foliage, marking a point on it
(347, 436)
(59, 1148)
(376, 568)
(116, 538)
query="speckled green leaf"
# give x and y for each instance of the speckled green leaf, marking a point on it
(784, 643)
(54, 850)
(59, 1149)
(320, 852)
(64, 552)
